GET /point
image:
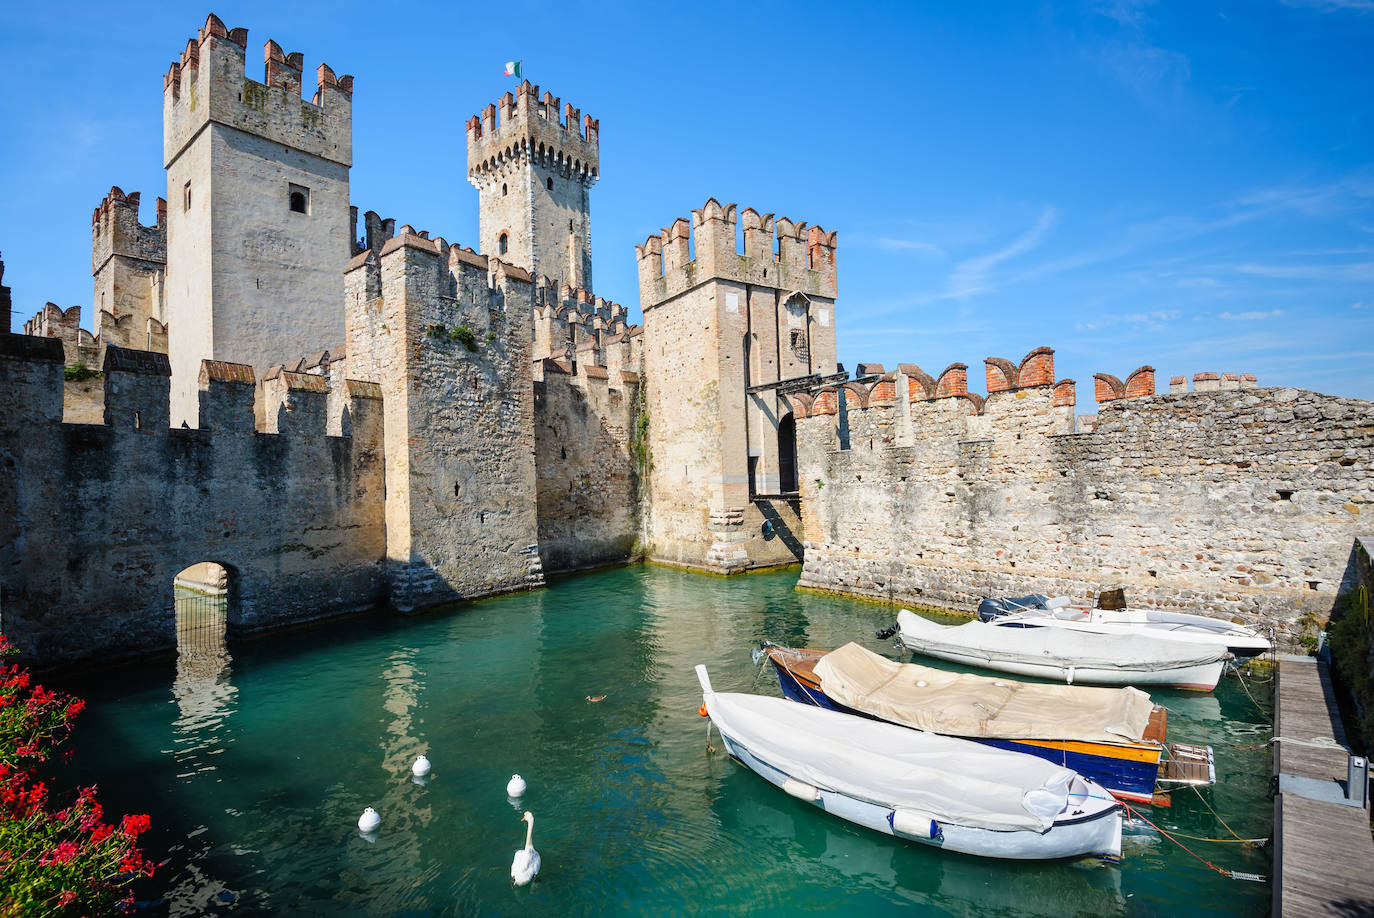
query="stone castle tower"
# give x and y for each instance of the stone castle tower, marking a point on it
(533, 171)
(258, 222)
(733, 342)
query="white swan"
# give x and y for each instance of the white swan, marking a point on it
(525, 866)
(515, 787)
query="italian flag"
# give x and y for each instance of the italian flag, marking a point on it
(512, 68)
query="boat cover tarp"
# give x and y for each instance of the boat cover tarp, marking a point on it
(962, 704)
(956, 781)
(1055, 646)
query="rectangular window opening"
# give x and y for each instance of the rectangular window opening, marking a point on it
(186, 196)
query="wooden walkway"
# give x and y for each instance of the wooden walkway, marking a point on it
(1323, 851)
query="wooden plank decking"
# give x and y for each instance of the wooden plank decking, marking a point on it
(1323, 851)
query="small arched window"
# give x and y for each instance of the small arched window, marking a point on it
(502, 244)
(298, 198)
(503, 189)
(548, 183)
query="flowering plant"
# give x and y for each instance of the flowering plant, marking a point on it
(54, 859)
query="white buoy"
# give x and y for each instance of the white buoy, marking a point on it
(516, 786)
(421, 767)
(369, 821)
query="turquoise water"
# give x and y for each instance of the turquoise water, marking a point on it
(255, 773)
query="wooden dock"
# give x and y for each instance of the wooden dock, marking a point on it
(1323, 851)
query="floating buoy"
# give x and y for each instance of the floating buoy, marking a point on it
(421, 767)
(516, 786)
(369, 821)
(701, 709)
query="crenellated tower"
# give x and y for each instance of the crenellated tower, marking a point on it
(533, 168)
(258, 221)
(732, 341)
(129, 266)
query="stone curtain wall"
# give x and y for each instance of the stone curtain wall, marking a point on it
(588, 485)
(97, 520)
(460, 507)
(1234, 501)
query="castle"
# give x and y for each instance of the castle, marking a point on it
(341, 413)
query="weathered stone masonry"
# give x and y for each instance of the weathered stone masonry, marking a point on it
(1220, 500)
(97, 520)
(460, 516)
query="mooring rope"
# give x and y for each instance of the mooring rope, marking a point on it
(1232, 874)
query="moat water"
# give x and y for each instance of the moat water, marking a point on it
(256, 768)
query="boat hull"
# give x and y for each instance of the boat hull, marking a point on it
(1242, 642)
(1199, 678)
(1098, 834)
(1129, 772)
(1067, 656)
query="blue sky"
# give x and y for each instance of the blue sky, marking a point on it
(1184, 185)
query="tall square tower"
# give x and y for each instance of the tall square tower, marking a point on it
(733, 343)
(258, 230)
(533, 171)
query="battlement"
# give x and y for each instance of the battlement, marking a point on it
(425, 290)
(208, 84)
(523, 128)
(777, 253)
(52, 321)
(573, 325)
(1213, 382)
(116, 230)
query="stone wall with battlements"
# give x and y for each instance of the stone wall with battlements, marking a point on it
(588, 473)
(573, 325)
(1236, 501)
(96, 520)
(446, 332)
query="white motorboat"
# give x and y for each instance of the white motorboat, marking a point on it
(1241, 640)
(932, 789)
(1070, 656)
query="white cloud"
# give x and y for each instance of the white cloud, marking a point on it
(1153, 318)
(971, 276)
(909, 245)
(1253, 316)
(1328, 6)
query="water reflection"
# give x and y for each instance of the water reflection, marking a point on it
(204, 695)
(256, 778)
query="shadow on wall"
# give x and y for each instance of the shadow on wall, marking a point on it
(775, 527)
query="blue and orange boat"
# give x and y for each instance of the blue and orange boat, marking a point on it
(1115, 736)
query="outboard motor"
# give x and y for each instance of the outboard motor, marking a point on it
(989, 609)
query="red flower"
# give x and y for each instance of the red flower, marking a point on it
(76, 706)
(136, 824)
(64, 852)
(66, 898)
(91, 818)
(100, 833)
